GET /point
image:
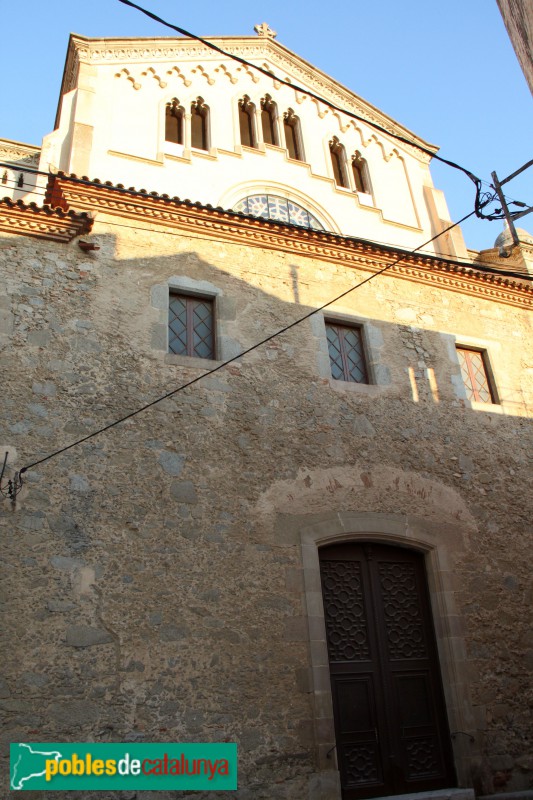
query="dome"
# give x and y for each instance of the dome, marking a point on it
(505, 237)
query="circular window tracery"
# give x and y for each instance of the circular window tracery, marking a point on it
(270, 206)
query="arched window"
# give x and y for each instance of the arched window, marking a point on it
(4, 177)
(338, 162)
(268, 120)
(271, 206)
(199, 121)
(360, 173)
(174, 118)
(246, 122)
(293, 135)
(20, 182)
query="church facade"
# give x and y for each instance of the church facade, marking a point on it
(319, 549)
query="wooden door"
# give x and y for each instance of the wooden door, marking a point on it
(390, 719)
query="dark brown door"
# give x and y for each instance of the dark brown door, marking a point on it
(390, 719)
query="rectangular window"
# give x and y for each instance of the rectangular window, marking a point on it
(191, 326)
(346, 353)
(475, 376)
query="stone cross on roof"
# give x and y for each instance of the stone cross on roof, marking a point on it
(265, 31)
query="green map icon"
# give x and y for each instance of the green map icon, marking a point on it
(28, 763)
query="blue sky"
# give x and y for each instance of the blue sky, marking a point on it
(445, 70)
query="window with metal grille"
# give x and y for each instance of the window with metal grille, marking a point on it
(346, 353)
(191, 326)
(475, 375)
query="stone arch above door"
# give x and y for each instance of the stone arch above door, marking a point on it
(438, 542)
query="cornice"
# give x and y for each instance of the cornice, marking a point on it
(138, 51)
(42, 222)
(220, 225)
(19, 153)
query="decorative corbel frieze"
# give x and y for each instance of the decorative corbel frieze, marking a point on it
(42, 222)
(221, 225)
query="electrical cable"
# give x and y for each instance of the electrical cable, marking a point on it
(457, 260)
(484, 268)
(480, 202)
(405, 140)
(237, 357)
(36, 189)
(481, 199)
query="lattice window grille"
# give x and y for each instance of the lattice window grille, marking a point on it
(474, 375)
(346, 353)
(191, 326)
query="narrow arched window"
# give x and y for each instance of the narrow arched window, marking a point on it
(293, 137)
(268, 120)
(174, 117)
(199, 121)
(360, 173)
(338, 162)
(4, 177)
(246, 122)
(20, 182)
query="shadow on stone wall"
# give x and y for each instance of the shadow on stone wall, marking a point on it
(147, 599)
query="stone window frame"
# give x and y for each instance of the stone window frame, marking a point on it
(269, 109)
(292, 121)
(200, 111)
(378, 373)
(247, 122)
(173, 108)
(224, 313)
(361, 174)
(417, 534)
(337, 153)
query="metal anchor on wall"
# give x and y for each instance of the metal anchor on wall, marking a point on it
(10, 488)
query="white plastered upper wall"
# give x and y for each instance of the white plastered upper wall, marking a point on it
(111, 126)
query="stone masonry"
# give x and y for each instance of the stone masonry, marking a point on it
(158, 579)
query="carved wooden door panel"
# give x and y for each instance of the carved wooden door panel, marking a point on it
(390, 719)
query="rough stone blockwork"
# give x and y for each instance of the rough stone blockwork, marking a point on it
(160, 579)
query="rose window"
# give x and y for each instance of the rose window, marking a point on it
(269, 206)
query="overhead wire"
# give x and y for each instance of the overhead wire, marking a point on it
(485, 268)
(458, 260)
(36, 189)
(480, 202)
(477, 182)
(245, 352)
(462, 261)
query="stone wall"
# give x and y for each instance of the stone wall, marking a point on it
(154, 583)
(518, 18)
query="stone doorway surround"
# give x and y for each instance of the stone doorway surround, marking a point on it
(438, 542)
